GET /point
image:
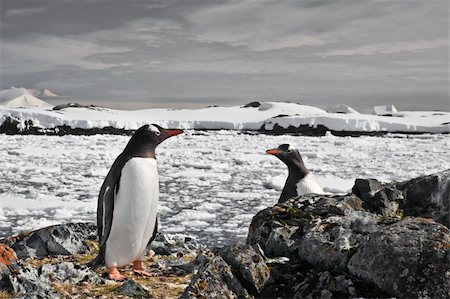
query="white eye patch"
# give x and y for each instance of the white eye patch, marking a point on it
(154, 129)
(291, 147)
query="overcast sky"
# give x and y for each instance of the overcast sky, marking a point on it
(206, 52)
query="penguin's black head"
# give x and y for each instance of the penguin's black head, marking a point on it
(147, 137)
(156, 134)
(289, 155)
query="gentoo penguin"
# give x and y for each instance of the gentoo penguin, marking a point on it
(128, 202)
(299, 181)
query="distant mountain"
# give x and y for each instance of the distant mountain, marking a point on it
(42, 93)
(20, 97)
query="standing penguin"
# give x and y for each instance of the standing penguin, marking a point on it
(128, 202)
(299, 181)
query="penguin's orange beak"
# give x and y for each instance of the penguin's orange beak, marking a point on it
(274, 151)
(174, 132)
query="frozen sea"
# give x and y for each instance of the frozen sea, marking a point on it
(212, 183)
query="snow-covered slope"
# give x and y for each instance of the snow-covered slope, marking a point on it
(23, 98)
(406, 121)
(236, 117)
(266, 115)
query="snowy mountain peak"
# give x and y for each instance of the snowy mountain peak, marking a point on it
(42, 93)
(20, 97)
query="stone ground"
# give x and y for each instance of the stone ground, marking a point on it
(167, 282)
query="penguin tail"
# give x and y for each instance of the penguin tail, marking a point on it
(97, 262)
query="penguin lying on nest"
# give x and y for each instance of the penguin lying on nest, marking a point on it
(300, 181)
(128, 202)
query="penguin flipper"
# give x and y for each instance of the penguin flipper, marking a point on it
(98, 261)
(105, 209)
(155, 231)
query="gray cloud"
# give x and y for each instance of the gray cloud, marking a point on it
(217, 52)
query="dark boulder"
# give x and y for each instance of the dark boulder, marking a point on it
(407, 259)
(316, 284)
(252, 104)
(247, 265)
(235, 271)
(428, 196)
(215, 279)
(64, 239)
(10, 125)
(378, 198)
(133, 289)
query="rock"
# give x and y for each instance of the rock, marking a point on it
(178, 266)
(252, 104)
(247, 265)
(28, 283)
(165, 244)
(133, 289)
(10, 125)
(325, 285)
(7, 258)
(5, 281)
(428, 196)
(64, 239)
(377, 197)
(68, 273)
(322, 230)
(72, 105)
(366, 188)
(7, 255)
(408, 259)
(215, 279)
(32, 281)
(334, 234)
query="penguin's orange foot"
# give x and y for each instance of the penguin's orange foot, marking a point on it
(115, 275)
(138, 268)
(143, 273)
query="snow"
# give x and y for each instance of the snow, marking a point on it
(42, 93)
(385, 110)
(23, 98)
(405, 121)
(211, 183)
(342, 108)
(267, 115)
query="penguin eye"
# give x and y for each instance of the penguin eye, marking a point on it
(289, 151)
(157, 133)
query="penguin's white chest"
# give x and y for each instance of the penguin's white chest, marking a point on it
(135, 210)
(308, 185)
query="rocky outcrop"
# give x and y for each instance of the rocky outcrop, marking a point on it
(361, 242)
(408, 259)
(426, 196)
(54, 240)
